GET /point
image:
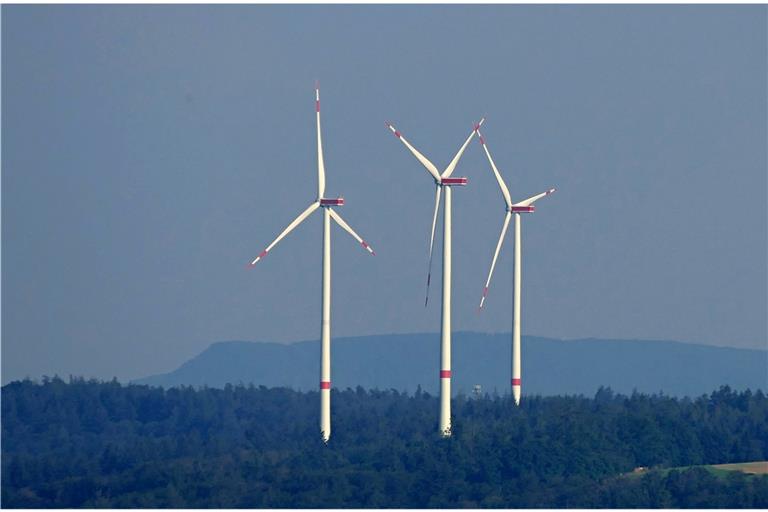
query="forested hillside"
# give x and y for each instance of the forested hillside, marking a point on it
(90, 444)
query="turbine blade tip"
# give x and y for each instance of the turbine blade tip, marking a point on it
(368, 247)
(392, 128)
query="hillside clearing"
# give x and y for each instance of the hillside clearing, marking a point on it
(752, 468)
(719, 470)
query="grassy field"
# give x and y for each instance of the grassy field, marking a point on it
(752, 468)
(720, 470)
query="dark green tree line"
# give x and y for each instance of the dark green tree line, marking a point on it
(101, 444)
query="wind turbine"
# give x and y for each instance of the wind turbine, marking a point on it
(525, 206)
(328, 213)
(442, 181)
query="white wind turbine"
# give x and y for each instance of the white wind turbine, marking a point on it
(328, 214)
(443, 180)
(525, 206)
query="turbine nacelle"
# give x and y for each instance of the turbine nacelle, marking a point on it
(338, 201)
(521, 209)
(452, 182)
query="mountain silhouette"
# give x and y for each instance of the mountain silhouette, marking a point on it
(407, 361)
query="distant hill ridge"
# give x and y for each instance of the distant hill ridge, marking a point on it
(550, 366)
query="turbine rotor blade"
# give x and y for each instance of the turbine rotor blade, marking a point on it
(507, 217)
(421, 158)
(533, 199)
(351, 231)
(320, 163)
(502, 185)
(438, 190)
(449, 170)
(298, 220)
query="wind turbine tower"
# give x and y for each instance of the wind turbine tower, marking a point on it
(445, 182)
(327, 204)
(525, 206)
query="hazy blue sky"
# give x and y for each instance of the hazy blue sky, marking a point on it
(150, 152)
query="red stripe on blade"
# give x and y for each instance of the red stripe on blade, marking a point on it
(317, 105)
(515, 382)
(445, 374)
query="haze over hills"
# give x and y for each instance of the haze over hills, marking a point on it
(550, 366)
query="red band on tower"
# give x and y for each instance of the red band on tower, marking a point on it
(445, 374)
(325, 384)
